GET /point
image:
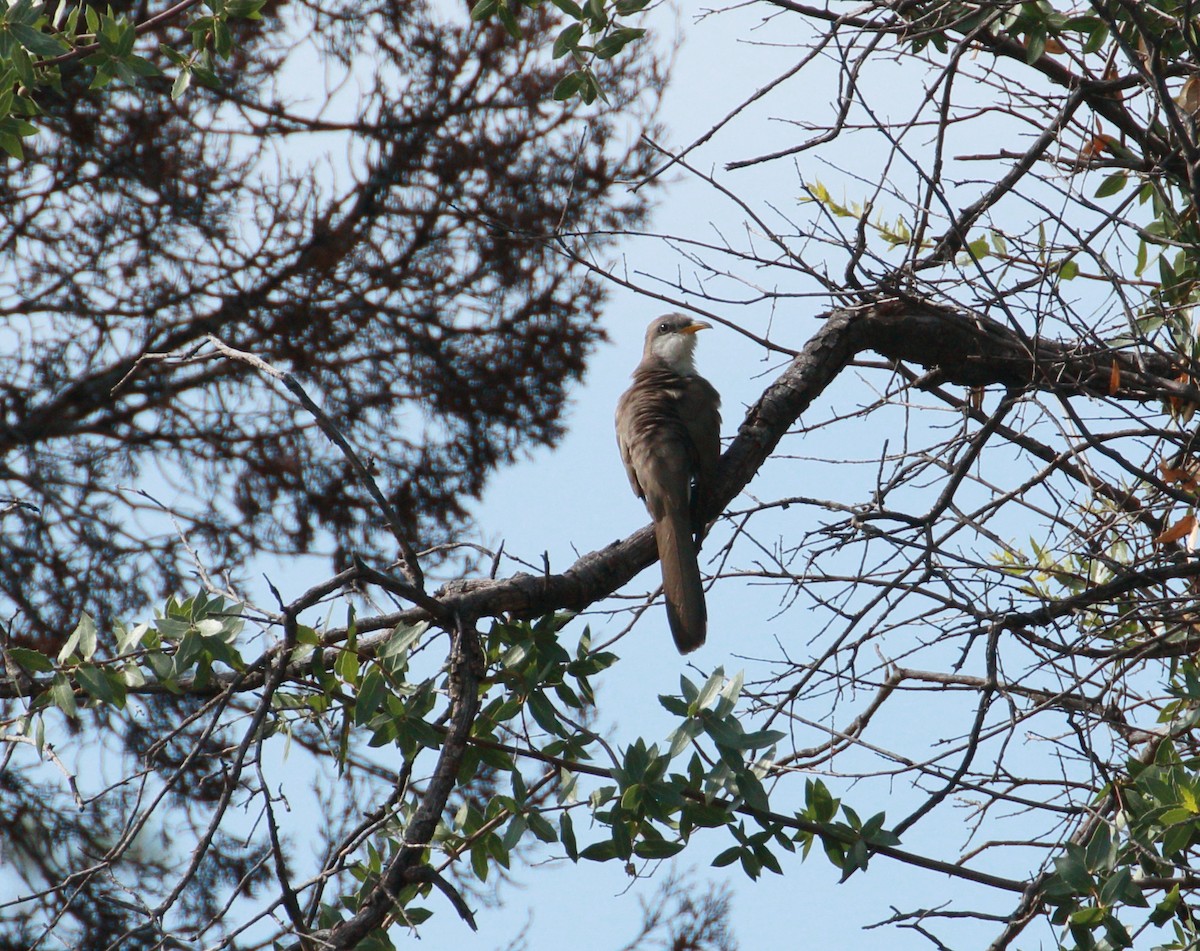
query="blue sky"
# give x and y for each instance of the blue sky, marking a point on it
(575, 499)
(564, 502)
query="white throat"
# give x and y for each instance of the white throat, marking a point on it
(677, 351)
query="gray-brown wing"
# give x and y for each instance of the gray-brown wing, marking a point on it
(700, 410)
(625, 431)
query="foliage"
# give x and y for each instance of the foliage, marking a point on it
(38, 51)
(193, 40)
(596, 31)
(985, 636)
(409, 289)
(345, 700)
(146, 232)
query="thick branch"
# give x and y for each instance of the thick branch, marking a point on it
(409, 866)
(967, 349)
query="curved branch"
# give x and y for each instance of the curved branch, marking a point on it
(968, 349)
(409, 866)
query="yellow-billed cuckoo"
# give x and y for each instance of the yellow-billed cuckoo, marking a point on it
(668, 430)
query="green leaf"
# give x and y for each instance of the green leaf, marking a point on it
(544, 714)
(207, 77)
(509, 21)
(393, 654)
(105, 687)
(37, 42)
(600, 851)
(657, 849)
(63, 696)
(172, 628)
(479, 860)
(569, 85)
(631, 799)
(682, 737)
(710, 690)
(1090, 917)
(570, 8)
(512, 835)
(750, 864)
(705, 816)
(1035, 45)
(728, 857)
(191, 647)
(752, 791)
(222, 39)
(1118, 937)
(182, 81)
(612, 44)
(1142, 258)
(541, 828)
(371, 693)
(730, 693)
(129, 638)
(82, 639)
(726, 733)
(1121, 889)
(855, 860)
(484, 9)
(566, 830)
(1165, 910)
(12, 145)
(767, 859)
(622, 842)
(347, 664)
(1096, 38)
(979, 249)
(30, 660)
(597, 14)
(1073, 871)
(567, 40)
(1101, 851)
(515, 656)
(247, 9)
(760, 739)
(163, 667)
(126, 36)
(1111, 185)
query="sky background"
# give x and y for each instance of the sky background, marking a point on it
(559, 504)
(575, 499)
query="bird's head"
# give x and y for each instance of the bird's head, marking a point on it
(672, 338)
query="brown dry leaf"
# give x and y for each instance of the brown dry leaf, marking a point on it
(1177, 531)
(1110, 72)
(1114, 379)
(1054, 46)
(1181, 409)
(1189, 96)
(1096, 146)
(1184, 474)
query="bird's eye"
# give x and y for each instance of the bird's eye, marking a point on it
(664, 328)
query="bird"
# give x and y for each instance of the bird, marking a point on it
(669, 435)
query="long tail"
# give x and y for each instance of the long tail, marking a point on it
(682, 588)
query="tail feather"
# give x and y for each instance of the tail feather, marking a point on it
(682, 588)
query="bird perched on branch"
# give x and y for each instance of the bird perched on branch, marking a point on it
(668, 430)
